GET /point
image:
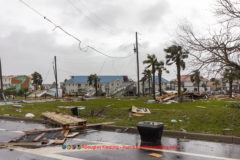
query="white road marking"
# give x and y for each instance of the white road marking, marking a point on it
(2, 129)
(54, 152)
(162, 150)
(50, 152)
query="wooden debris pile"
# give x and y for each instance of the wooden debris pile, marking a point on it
(63, 119)
(40, 138)
(139, 111)
(166, 97)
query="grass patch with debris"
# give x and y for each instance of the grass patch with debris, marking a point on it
(202, 116)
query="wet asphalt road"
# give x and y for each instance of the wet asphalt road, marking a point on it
(188, 149)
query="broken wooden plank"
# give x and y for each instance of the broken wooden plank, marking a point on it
(63, 119)
(39, 137)
(156, 155)
(140, 110)
(70, 127)
(9, 144)
(61, 141)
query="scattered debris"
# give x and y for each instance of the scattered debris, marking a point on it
(63, 119)
(29, 115)
(170, 101)
(233, 105)
(151, 101)
(22, 101)
(201, 107)
(73, 134)
(156, 155)
(227, 129)
(138, 114)
(17, 106)
(140, 110)
(183, 130)
(70, 107)
(18, 110)
(174, 121)
(219, 97)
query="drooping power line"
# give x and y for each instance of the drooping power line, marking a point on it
(69, 34)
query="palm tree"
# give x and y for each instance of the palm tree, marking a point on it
(196, 79)
(94, 80)
(144, 78)
(160, 68)
(176, 54)
(37, 80)
(230, 74)
(152, 61)
(216, 83)
(147, 73)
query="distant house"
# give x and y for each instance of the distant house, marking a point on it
(109, 85)
(215, 84)
(21, 82)
(165, 85)
(7, 82)
(18, 82)
(188, 86)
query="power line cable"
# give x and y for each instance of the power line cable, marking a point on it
(98, 17)
(69, 34)
(78, 9)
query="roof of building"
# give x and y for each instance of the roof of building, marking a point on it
(163, 80)
(187, 78)
(84, 79)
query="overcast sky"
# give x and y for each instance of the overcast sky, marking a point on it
(28, 43)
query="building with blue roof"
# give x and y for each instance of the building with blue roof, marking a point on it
(109, 85)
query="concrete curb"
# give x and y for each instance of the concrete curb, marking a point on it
(133, 130)
(21, 119)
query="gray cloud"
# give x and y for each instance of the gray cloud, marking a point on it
(153, 14)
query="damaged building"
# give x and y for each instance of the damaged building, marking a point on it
(108, 85)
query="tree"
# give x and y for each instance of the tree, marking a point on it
(176, 54)
(147, 73)
(220, 47)
(37, 80)
(151, 61)
(144, 78)
(196, 79)
(160, 68)
(230, 74)
(94, 80)
(229, 10)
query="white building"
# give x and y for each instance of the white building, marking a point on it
(165, 85)
(109, 85)
(188, 86)
(7, 82)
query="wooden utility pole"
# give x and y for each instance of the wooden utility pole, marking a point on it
(136, 50)
(55, 73)
(1, 96)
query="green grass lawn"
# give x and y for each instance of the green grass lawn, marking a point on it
(212, 119)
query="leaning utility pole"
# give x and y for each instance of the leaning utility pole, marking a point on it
(136, 50)
(1, 96)
(55, 73)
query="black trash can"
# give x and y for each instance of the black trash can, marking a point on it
(75, 111)
(150, 132)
